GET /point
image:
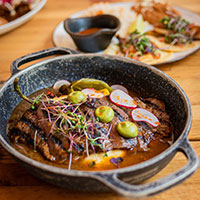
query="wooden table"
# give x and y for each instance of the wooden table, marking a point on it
(15, 182)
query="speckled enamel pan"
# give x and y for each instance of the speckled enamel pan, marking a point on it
(146, 80)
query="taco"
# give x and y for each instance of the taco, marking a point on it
(162, 45)
(169, 25)
(137, 46)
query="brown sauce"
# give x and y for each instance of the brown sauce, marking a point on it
(131, 157)
(89, 31)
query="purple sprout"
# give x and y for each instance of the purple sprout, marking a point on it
(116, 161)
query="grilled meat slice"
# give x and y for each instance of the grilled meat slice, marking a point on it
(155, 103)
(50, 127)
(50, 146)
(157, 107)
(31, 135)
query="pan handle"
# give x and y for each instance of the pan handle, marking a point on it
(157, 186)
(37, 55)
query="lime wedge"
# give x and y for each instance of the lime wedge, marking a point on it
(138, 25)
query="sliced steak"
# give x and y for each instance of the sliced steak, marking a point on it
(51, 147)
(39, 128)
(157, 107)
(50, 127)
(31, 135)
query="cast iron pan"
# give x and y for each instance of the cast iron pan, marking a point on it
(146, 80)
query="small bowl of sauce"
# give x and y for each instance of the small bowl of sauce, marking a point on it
(92, 34)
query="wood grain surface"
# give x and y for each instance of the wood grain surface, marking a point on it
(35, 35)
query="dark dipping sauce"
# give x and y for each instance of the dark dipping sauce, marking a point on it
(88, 31)
(155, 143)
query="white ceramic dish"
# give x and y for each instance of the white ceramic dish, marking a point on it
(21, 20)
(62, 39)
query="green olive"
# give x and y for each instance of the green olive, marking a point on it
(104, 113)
(77, 97)
(127, 129)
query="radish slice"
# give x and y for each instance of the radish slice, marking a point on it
(60, 83)
(140, 114)
(119, 87)
(121, 98)
(92, 93)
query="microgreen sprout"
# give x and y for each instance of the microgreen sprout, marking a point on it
(116, 161)
(67, 120)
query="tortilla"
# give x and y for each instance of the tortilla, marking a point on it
(149, 59)
(172, 48)
(113, 49)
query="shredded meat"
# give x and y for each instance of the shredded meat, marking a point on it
(154, 12)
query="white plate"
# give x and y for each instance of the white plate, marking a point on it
(62, 39)
(21, 20)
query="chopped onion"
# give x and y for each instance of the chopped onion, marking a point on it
(60, 83)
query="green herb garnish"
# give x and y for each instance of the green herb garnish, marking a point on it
(180, 30)
(105, 155)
